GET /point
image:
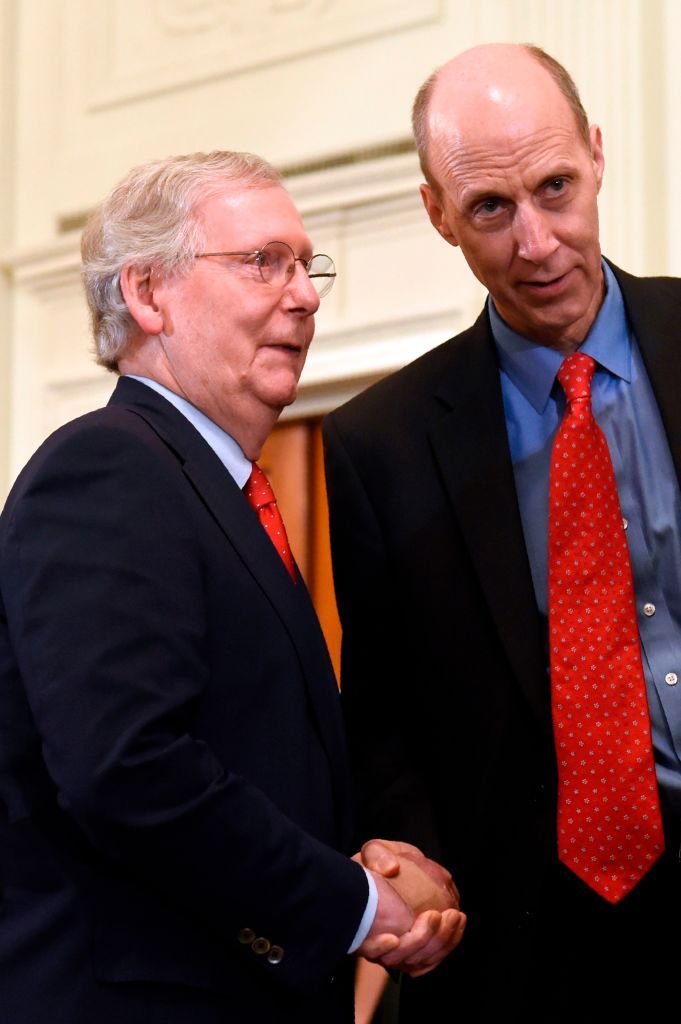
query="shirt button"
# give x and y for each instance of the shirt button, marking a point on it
(246, 936)
(625, 523)
(275, 955)
(648, 609)
(671, 679)
(260, 946)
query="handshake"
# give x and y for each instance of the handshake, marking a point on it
(418, 921)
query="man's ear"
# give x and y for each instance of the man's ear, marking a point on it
(435, 210)
(138, 292)
(596, 140)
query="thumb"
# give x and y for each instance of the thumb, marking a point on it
(378, 857)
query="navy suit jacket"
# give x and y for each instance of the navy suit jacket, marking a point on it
(444, 679)
(173, 775)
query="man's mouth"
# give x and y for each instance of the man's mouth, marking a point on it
(287, 347)
(547, 286)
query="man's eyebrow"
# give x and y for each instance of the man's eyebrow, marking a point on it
(472, 195)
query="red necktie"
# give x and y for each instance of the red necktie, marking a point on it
(609, 822)
(261, 497)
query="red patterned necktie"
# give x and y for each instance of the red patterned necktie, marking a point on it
(609, 822)
(261, 497)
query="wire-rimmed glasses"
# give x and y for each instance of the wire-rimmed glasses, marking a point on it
(276, 262)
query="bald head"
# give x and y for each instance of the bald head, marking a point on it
(496, 73)
(513, 175)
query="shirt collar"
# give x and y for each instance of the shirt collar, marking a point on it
(222, 443)
(532, 368)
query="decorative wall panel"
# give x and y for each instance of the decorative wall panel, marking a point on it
(141, 47)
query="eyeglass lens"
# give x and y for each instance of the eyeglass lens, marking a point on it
(276, 262)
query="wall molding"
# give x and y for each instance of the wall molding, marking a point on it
(135, 49)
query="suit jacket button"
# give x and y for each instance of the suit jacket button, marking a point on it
(275, 955)
(246, 936)
(261, 946)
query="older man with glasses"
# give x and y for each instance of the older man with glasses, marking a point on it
(174, 820)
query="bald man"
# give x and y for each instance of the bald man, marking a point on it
(461, 650)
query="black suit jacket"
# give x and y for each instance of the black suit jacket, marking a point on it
(444, 679)
(172, 764)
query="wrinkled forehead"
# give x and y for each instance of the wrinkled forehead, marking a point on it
(245, 215)
(470, 119)
(236, 198)
(491, 160)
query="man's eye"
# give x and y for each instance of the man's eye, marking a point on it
(490, 205)
(556, 184)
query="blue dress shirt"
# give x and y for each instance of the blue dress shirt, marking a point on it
(625, 408)
(239, 468)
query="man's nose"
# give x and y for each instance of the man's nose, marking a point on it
(301, 289)
(534, 234)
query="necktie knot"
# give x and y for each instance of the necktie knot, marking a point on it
(575, 375)
(258, 489)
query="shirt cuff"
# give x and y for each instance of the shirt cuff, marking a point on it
(368, 915)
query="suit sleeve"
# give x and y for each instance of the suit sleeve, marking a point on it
(380, 671)
(103, 588)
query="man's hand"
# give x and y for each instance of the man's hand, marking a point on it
(423, 884)
(417, 922)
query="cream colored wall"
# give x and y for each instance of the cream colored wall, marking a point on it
(90, 87)
(7, 68)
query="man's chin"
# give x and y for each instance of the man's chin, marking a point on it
(280, 397)
(550, 321)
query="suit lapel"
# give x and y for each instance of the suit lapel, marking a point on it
(655, 320)
(226, 503)
(470, 444)
(291, 602)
